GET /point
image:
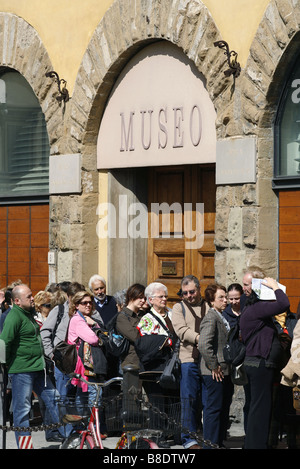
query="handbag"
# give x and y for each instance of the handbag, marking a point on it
(238, 375)
(170, 377)
(116, 344)
(65, 356)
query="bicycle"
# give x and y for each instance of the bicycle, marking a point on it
(87, 433)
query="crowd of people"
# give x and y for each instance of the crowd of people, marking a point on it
(32, 326)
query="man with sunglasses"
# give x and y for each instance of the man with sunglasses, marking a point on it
(186, 318)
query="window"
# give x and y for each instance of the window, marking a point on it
(24, 143)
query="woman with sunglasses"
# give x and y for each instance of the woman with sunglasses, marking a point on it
(43, 305)
(85, 330)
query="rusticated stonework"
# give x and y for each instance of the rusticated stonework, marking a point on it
(247, 219)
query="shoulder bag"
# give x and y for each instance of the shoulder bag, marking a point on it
(170, 377)
(65, 356)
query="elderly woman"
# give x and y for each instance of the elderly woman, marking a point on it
(120, 297)
(156, 324)
(215, 372)
(157, 320)
(157, 338)
(43, 301)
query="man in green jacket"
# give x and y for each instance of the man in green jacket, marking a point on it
(25, 363)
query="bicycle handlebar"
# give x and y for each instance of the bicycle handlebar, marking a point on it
(102, 385)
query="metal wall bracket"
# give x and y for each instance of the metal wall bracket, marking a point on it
(234, 66)
(61, 84)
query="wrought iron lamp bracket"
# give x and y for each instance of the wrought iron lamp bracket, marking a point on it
(234, 66)
(61, 84)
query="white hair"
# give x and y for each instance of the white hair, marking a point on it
(152, 288)
(94, 278)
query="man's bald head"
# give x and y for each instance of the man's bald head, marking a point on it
(22, 297)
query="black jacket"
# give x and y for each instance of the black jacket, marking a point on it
(152, 352)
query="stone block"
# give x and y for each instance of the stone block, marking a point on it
(250, 226)
(235, 229)
(267, 233)
(64, 266)
(235, 264)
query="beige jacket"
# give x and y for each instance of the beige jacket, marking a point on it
(184, 326)
(291, 372)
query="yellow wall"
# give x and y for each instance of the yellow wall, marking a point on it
(237, 21)
(66, 26)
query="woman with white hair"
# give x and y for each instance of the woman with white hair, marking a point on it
(157, 320)
(154, 348)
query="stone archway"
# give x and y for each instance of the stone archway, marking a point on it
(252, 113)
(126, 28)
(21, 48)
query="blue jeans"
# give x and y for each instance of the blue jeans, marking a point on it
(22, 386)
(61, 382)
(191, 394)
(216, 410)
(87, 399)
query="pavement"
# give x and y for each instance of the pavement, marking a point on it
(234, 441)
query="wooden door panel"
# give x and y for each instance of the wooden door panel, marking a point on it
(290, 269)
(288, 233)
(289, 244)
(24, 244)
(169, 256)
(289, 215)
(289, 251)
(290, 198)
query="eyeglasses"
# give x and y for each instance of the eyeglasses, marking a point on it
(160, 296)
(191, 292)
(85, 303)
(47, 305)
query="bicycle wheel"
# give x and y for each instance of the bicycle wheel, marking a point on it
(73, 442)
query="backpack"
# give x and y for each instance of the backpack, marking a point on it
(116, 344)
(235, 350)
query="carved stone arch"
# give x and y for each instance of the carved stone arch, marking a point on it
(272, 50)
(126, 27)
(252, 114)
(22, 49)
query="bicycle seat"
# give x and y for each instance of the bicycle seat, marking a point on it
(72, 419)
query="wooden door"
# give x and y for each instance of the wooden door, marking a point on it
(24, 244)
(171, 252)
(289, 244)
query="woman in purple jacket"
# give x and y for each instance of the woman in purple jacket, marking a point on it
(262, 359)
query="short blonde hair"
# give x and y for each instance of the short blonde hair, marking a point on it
(41, 298)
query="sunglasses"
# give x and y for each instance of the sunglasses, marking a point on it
(85, 303)
(47, 305)
(191, 292)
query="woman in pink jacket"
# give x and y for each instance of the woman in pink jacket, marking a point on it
(83, 328)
